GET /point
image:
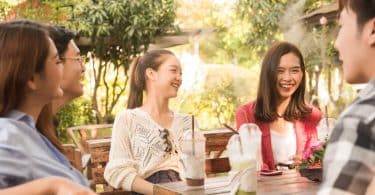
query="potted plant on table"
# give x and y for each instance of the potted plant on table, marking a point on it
(310, 164)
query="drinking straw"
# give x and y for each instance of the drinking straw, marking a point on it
(230, 128)
(236, 132)
(192, 134)
(326, 111)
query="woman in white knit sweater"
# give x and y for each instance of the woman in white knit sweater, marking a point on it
(145, 137)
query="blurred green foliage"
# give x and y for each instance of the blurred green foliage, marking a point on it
(224, 89)
(58, 12)
(5, 7)
(77, 112)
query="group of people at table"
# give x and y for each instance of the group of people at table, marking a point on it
(41, 70)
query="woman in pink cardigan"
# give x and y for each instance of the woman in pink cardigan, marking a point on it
(287, 123)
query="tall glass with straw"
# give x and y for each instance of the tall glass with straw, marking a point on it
(245, 157)
(193, 147)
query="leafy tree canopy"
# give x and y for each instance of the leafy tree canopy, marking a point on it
(131, 25)
(245, 28)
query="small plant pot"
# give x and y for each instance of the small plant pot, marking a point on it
(313, 174)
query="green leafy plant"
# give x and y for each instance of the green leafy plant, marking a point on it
(313, 156)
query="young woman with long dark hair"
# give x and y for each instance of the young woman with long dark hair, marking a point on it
(287, 122)
(145, 137)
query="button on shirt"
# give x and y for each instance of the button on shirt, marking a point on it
(26, 155)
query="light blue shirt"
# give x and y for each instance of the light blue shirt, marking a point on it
(26, 155)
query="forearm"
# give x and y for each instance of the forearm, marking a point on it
(40, 186)
(142, 186)
(48, 186)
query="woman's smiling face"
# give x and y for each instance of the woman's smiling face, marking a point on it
(289, 75)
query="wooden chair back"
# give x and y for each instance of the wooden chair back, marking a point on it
(80, 134)
(216, 142)
(74, 155)
(99, 150)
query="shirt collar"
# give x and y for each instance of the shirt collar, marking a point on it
(368, 90)
(21, 116)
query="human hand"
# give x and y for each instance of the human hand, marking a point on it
(64, 186)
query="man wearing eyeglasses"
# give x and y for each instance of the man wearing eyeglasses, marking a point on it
(73, 65)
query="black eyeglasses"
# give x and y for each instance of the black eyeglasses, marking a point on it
(164, 134)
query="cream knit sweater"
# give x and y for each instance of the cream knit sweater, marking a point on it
(138, 149)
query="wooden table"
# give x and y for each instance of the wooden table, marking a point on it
(290, 182)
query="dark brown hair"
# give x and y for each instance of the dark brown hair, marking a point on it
(61, 37)
(267, 98)
(364, 9)
(151, 59)
(24, 51)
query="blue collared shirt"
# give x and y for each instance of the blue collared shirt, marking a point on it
(26, 155)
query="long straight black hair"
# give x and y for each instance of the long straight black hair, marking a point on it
(151, 59)
(267, 99)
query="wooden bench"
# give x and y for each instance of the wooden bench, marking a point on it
(216, 141)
